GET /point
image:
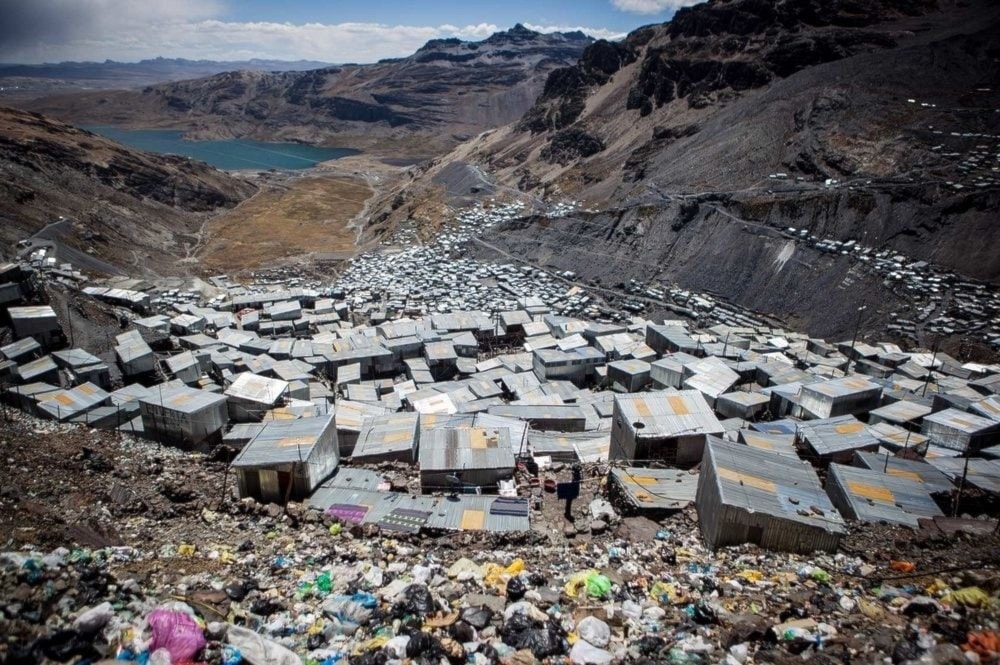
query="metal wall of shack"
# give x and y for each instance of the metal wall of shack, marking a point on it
(305, 449)
(482, 457)
(184, 416)
(962, 431)
(849, 395)
(390, 438)
(668, 427)
(751, 496)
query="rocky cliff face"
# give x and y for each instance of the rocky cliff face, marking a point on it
(123, 207)
(446, 92)
(864, 120)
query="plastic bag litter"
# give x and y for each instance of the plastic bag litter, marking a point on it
(496, 576)
(984, 643)
(177, 632)
(347, 610)
(477, 617)
(466, 569)
(598, 586)
(258, 651)
(92, 620)
(542, 639)
(664, 592)
(593, 630)
(417, 600)
(902, 566)
(516, 589)
(971, 596)
(595, 584)
(583, 653)
(231, 656)
(750, 575)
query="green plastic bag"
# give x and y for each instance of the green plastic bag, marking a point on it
(598, 586)
(324, 583)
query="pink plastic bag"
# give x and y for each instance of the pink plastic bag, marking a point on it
(177, 632)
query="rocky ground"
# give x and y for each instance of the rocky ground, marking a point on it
(116, 548)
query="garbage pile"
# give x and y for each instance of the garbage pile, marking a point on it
(359, 597)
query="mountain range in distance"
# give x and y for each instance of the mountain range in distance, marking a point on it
(21, 81)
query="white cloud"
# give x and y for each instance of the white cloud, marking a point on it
(652, 6)
(126, 30)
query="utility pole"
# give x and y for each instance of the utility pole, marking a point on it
(961, 486)
(854, 339)
(930, 370)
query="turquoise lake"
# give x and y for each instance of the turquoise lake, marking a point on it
(229, 154)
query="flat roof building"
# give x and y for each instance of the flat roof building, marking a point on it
(663, 426)
(183, 416)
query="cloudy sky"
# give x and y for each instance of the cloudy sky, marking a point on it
(33, 31)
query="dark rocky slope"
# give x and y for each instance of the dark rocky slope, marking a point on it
(124, 207)
(895, 100)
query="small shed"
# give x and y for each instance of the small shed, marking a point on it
(664, 426)
(628, 376)
(646, 491)
(745, 405)
(849, 395)
(288, 459)
(64, 405)
(748, 495)
(251, 396)
(867, 495)
(38, 321)
(837, 439)
(961, 431)
(389, 438)
(184, 416)
(476, 458)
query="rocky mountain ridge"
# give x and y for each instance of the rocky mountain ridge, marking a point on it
(697, 144)
(444, 93)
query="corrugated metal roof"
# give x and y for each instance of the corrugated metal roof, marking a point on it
(834, 435)
(780, 444)
(929, 477)
(667, 414)
(657, 489)
(988, 408)
(31, 312)
(570, 446)
(283, 441)
(35, 368)
(896, 437)
(874, 496)
(968, 423)
(63, 404)
(255, 388)
(452, 448)
(181, 398)
(849, 385)
(461, 513)
(982, 473)
(387, 434)
(776, 485)
(901, 411)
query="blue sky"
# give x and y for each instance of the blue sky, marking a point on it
(34, 31)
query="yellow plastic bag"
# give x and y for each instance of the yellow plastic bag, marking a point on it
(936, 588)
(970, 596)
(185, 550)
(664, 592)
(752, 576)
(578, 581)
(497, 576)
